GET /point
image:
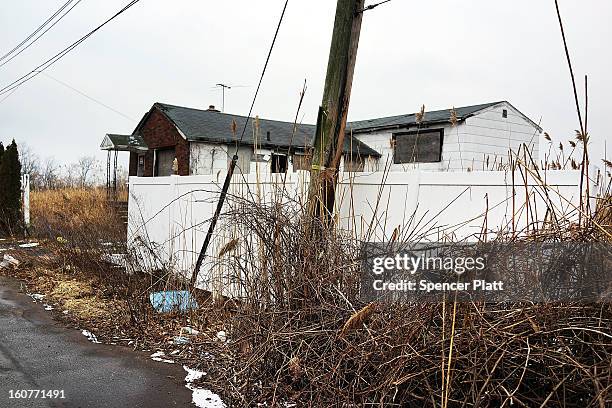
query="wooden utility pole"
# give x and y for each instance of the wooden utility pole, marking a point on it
(331, 121)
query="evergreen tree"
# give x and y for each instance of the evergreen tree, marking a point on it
(1, 151)
(10, 189)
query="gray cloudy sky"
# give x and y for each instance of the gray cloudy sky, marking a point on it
(439, 53)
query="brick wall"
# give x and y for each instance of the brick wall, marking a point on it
(159, 133)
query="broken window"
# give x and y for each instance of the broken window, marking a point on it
(424, 146)
(141, 165)
(279, 163)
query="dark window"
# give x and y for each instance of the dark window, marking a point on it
(164, 158)
(279, 163)
(141, 165)
(505, 113)
(424, 146)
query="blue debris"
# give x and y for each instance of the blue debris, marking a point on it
(172, 300)
(180, 340)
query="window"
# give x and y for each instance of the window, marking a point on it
(141, 165)
(164, 158)
(505, 113)
(279, 163)
(424, 146)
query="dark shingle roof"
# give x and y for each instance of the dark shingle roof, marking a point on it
(123, 142)
(439, 116)
(214, 126)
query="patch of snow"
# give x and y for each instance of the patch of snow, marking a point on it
(48, 307)
(7, 261)
(157, 356)
(222, 336)
(65, 312)
(115, 259)
(201, 397)
(29, 245)
(192, 374)
(36, 297)
(90, 336)
(191, 331)
(204, 398)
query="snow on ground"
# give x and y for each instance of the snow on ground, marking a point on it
(90, 336)
(202, 398)
(8, 261)
(29, 245)
(36, 297)
(158, 356)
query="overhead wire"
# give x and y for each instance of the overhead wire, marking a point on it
(43, 25)
(234, 160)
(41, 34)
(51, 61)
(91, 98)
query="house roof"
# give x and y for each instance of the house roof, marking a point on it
(433, 117)
(214, 126)
(123, 143)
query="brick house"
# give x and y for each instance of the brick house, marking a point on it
(178, 140)
(202, 142)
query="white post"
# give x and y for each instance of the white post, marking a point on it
(25, 198)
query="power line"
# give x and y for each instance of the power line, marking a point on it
(263, 72)
(51, 61)
(8, 96)
(37, 38)
(373, 6)
(37, 30)
(233, 162)
(89, 97)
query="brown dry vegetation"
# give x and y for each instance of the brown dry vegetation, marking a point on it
(302, 333)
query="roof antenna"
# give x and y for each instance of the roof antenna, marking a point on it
(223, 87)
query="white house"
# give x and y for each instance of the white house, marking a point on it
(186, 141)
(478, 137)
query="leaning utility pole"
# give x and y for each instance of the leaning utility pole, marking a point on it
(331, 121)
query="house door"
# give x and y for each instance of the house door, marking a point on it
(163, 162)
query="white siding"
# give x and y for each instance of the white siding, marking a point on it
(484, 138)
(208, 159)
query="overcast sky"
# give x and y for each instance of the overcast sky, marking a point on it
(440, 53)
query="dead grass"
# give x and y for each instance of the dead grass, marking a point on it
(68, 209)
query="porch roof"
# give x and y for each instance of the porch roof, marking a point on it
(124, 143)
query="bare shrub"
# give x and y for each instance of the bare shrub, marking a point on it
(299, 331)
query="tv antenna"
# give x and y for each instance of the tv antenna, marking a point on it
(223, 87)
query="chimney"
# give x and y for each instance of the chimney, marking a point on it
(211, 108)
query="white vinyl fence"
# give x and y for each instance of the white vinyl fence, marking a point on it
(169, 216)
(25, 198)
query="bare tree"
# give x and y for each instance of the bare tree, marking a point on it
(86, 169)
(49, 174)
(30, 162)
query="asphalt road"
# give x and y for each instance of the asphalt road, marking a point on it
(36, 353)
